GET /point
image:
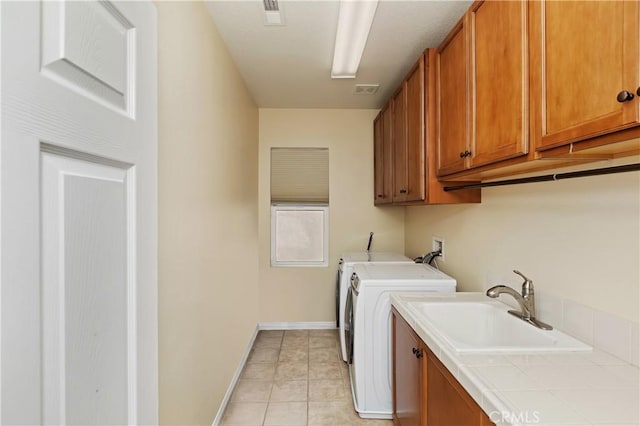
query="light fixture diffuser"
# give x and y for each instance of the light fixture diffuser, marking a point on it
(354, 23)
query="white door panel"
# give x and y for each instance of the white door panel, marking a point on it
(88, 303)
(78, 213)
(89, 46)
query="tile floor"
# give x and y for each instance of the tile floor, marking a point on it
(294, 377)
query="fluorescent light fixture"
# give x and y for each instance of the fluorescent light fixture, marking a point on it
(354, 22)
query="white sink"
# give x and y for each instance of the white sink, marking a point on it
(487, 327)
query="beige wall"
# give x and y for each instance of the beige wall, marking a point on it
(307, 294)
(208, 218)
(577, 239)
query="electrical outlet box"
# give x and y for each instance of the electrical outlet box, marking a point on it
(438, 244)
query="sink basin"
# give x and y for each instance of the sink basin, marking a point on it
(487, 327)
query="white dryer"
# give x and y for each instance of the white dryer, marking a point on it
(345, 268)
(368, 329)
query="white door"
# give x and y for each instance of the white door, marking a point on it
(78, 207)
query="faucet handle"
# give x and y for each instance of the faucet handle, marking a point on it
(527, 285)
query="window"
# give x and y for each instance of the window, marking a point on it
(299, 235)
(299, 206)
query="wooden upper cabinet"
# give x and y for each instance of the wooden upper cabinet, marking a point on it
(499, 81)
(382, 157)
(415, 161)
(584, 55)
(483, 87)
(409, 137)
(399, 142)
(452, 100)
(405, 143)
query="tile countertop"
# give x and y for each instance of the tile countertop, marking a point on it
(543, 388)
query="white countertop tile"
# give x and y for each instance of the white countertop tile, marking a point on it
(505, 377)
(524, 360)
(613, 407)
(602, 358)
(484, 359)
(541, 407)
(538, 388)
(628, 375)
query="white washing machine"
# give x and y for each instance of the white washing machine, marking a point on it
(345, 268)
(368, 331)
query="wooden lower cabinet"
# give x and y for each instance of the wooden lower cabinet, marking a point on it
(425, 393)
(407, 373)
(448, 404)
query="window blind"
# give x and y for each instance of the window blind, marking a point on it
(300, 175)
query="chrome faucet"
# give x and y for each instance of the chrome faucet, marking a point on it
(526, 301)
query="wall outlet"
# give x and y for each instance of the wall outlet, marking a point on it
(438, 244)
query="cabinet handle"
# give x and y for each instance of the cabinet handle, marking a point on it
(414, 350)
(468, 153)
(403, 191)
(419, 353)
(625, 96)
(638, 91)
(380, 196)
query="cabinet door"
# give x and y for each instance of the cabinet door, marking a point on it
(407, 374)
(400, 145)
(387, 151)
(415, 160)
(499, 85)
(448, 403)
(452, 99)
(382, 157)
(584, 54)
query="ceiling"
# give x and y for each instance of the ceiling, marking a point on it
(290, 66)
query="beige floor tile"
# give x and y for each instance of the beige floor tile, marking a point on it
(326, 390)
(321, 413)
(345, 414)
(267, 342)
(323, 355)
(295, 343)
(262, 355)
(258, 371)
(293, 355)
(333, 332)
(321, 342)
(244, 414)
(296, 333)
(289, 391)
(344, 369)
(309, 368)
(375, 422)
(252, 391)
(346, 382)
(324, 371)
(286, 414)
(271, 333)
(298, 370)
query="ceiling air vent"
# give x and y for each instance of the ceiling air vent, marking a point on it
(270, 5)
(365, 89)
(272, 15)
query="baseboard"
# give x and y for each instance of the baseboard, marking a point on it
(234, 380)
(326, 325)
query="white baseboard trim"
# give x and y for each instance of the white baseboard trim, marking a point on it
(325, 325)
(234, 380)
